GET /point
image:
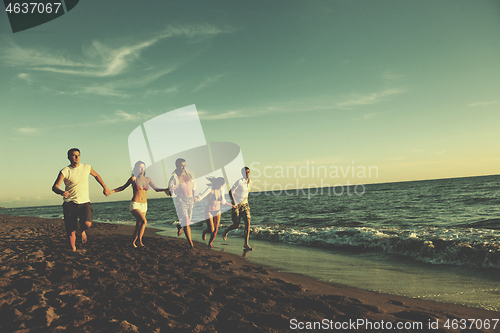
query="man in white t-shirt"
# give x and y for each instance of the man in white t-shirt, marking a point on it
(182, 185)
(239, 195)
(77, 206)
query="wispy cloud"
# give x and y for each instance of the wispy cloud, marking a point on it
(98, 59)
(27, 130)
(366, 116)
(24, 76)
(166, 91)
(357, 99)
(107, 89)
(208, 81)
(15, 55)
(122, 116)
(483, 104)
(308, 105)
(116, 88)
(225, 115)
(390, 76)
(119, 116)
(369, 116)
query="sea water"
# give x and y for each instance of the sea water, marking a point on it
(433, 239)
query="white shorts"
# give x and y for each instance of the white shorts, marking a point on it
(141, 206)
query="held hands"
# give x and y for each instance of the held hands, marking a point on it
(106, 191)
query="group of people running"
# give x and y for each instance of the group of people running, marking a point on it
(77, 208)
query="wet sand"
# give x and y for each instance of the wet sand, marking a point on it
(109, 286)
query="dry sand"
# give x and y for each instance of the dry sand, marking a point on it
(108, 286)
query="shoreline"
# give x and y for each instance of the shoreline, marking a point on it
(107, 285)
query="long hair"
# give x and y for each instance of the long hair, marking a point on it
(216, 182)
(135, 172)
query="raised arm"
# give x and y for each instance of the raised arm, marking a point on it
(98, 178)
(56, 189)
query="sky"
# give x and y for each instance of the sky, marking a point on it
(314, 92)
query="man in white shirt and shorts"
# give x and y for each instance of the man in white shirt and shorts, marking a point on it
(77, 206)
(239, 195)
(182, 184)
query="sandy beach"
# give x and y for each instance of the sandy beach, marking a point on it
(108, 286)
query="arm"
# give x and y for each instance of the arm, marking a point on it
(57, 183)
(124, 186)
(203, 195)
(224, 202)
(193, 180)
(157, 189)
(172, 185)
(235, 186)
(230, 204)
(98, 178)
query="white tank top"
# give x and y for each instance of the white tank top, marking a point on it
(77, 183)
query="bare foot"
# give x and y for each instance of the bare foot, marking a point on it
(204, 235)
(84, 237)
(141, 245)
(179, 230)
(210, 246)
(247, 247)
(134, 245)
(224, 237)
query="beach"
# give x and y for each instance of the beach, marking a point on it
(108, 286)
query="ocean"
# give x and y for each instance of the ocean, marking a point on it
(431, 239)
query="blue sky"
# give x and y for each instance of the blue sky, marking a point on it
(410, 87)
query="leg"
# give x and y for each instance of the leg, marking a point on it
(187, 232)
(140, 226)
(231, 227)
(205, 232)
(178, 207)
(84, 227)
(215, 228)
(70, 211)
(72, 240)
(247, 218)
(235, 216)
(247, 234)
(210, 226)
(85, 215)
(184, 207)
